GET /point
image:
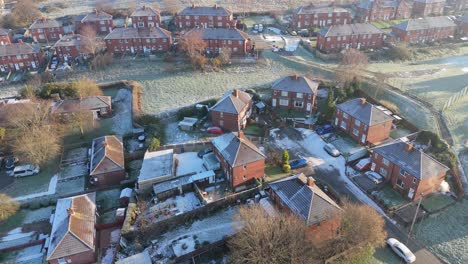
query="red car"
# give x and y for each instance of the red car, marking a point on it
(215, 130)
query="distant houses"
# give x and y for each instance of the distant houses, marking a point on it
(294, 93)
(46, 30)
(423, 8)
(217, 39)
(138, 40)
(382, 10)
(232, 110)
(145, 17)
(320, 16)
(99, 21)
(204, 17)
(424, 30)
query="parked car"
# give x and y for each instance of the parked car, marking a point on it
(325, 129)
(374, 176)
(330, 149)
(203, 152)
(10, 162)
(25, 170)
(401, 250)
(363, 165)
(214, 130)
(299, 163)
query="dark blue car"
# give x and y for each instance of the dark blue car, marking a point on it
(296, 164)
(325, 129)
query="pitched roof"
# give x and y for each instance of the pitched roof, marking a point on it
(96, 16)
(367, 113)
(365, 4)
(205, 11)
(310, 10)
(463, 18)
(425, 23)
(4, 32)
(131, 33)
(237, 151)
(106, 155)
(219, 33)
(298, 84)
(350, 29)
(86, 103)
(429, 1)
(18, 48)
(70, 40)
(140, 258)
(415, 162)
(44, 23)
(144, 11)
(232, 103)
(310, 203)
(73, 229)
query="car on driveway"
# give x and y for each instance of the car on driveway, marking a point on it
(214, 130)
(203, 152)
(325, 129)
(363, 165)
(374, 176)
(332, 150)
(25, 170)
(401, 250)
(299, 163)
(10, 162)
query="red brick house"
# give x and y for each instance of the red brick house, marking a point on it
(46, 30)
(70, 47)
(424, 30)
(241, 161)
(99, 106)
(357, 36)
(4, 36)
(423, 8)
(410, 171)
(382, 10)
(232, 110)
(73, 235)
(216, 39)
(462, 26)
(314, 17)
(295, 93)
(100, 21)
(363, 121)
(204, 17)
(145, 16)
(20, 57)
(106, 166)
(300, 196)
(138, 40)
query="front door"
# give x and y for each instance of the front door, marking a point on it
(17, 66)
(309, 106)
(411, 193)
(363, 139)
(373, 166)
(273, 103)
(336, 121)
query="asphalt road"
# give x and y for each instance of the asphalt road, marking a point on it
(332, 179)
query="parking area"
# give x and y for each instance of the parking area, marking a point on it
(365, 183)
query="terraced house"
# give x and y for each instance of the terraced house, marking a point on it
(424, 30)
(20, 57)
(70, 47)
(100, 21)
(146, 16)
(217, 39)
(363, 121)
(423, 8)
(138, 40)
(241, 161)
(294, 93)
(382, 10)
(358, 36)
(232, 110)
(46, 30)
(409, 170)
(313, 17)
(204, 17)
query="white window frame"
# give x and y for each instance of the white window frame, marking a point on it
(284, 102)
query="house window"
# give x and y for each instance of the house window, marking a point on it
(345, 115)
(245, 167)
(299, 104)
(343, 124)
(385, 161)
(376, 155)
(357, 122)
(283, 102)
(220, 114)
(299, 95)
(355, 132)
(383, 172)
(101, 22)
(284, 93)
(403, 172)
(244, 177)
(62, 261)
(414, 180)
(400, 183)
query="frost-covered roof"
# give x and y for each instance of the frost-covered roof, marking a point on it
(297, 84)
(367, 113)
(164, 186)
(205, 11)
(237, 151)
(44, 23)
(219, 33)
(96, 16)
(350, 29)
(310, 10)
(73, 229)
(106, 155)
(18, 49)
(425, 23)
(414, 161)
(233, 102)
(157, 164)
(145, 11)
(131, 33)
(308, 202)
(86, 103)
(70, 40)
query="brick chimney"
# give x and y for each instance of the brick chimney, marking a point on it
(362, 101)
(408, 147)
(193, 5)
(235, 92)
(295, 77)
(144, 7)
(70, 211)
(310, 181)
(95, 11)
(216, 6)
(104, 144)
(44, 19)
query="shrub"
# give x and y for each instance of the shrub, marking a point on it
(186, 112)
(390, 106)
(285, 157)
(399, 52)
(153, 143)
(439, 149)
(286, 168)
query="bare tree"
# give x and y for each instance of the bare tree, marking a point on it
(266, 239)
(101, 61)
(192, 43)
(87, 87)
(8, 206)
(352, 63)
(82, 119)
(91, 44)
(171, 6)
(25, 12)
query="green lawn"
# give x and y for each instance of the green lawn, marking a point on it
(436, 202)
(254, 130)
(274, 172)
(390, 197)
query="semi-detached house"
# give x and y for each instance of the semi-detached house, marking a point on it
(424, 30)
(46, 30)
(99, 21)
(232, 110)
(217, 39)
(20, 57)
(138, 40)
(322, 16)
(294, 93)
(145, 17)
(204, 17)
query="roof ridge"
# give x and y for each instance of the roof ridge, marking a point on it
(248, 144)
(310, 206)
(237, 151)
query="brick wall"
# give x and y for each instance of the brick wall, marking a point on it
(423, 36)
(81, 258)
(20, 62)
(189, 22)
(110, 178)
(146, 21)
(43, 35)
(237, 47)
(426, 9)
(138, 46)
(320, 19)
(289, 100)
(338, 43)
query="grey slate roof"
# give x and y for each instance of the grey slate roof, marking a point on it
(144, 11)
(205, 11)
(70, 40)
(230, 103)
(425, 23)
(131, 33)
(18, 48)
(96, 16)
(298, 84)
(463, 18)
(350, 29)
(415, 162)
(365, 5)
(44, 23)
(140, 258)
(429, 1)
(219, 33)
(310, 203)
(4, 32)
(310, 10)
(367, 113)
(106, 155)
(237, 151)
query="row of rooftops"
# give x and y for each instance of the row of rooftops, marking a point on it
(391, 3)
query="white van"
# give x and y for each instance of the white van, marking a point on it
(25, 170)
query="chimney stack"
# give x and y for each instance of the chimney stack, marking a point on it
(310, 181)
(408, 147)
(144, 7)
(44, 19)
(104, 144)
(193, 5)
(216, 6)
(95, 11)
(70, 211)
(362, 101)
(235, 92)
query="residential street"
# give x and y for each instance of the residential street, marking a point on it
(330, 171)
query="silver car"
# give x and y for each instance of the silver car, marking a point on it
(330, 149)
(401, 250)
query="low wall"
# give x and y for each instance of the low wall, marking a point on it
(30, 244)
(188, 147)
